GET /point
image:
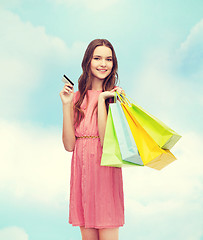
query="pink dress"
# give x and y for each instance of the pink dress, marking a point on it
(96, 192)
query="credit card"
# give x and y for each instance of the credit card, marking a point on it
(65, 79)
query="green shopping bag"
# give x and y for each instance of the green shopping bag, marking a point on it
(111, 155)
(164, 136)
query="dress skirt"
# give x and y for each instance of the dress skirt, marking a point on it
(96, 192)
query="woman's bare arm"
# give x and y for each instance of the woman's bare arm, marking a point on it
(68, 135)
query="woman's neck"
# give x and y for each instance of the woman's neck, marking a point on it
(97, 84)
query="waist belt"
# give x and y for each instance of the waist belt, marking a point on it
(88, 137)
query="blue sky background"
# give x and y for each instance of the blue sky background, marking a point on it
(159, 45)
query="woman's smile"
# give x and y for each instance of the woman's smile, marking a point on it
(102, 70)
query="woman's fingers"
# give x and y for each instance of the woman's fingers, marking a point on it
(68, 89)
(113, 90)
(66, 94)
(119, 90)
(68, 85)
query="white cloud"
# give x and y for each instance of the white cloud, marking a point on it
(89, 4)
(161, 202)
(28, 45)
(191, 53)
(195, 38)
(11, 233)
(36, 168)
(26, 52)
(10, 3)
(157, 89)
(169, 83)
(34, 165)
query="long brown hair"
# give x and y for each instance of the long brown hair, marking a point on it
(84, 81)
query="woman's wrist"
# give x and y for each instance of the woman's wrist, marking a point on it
(101, 97)
(67, 104)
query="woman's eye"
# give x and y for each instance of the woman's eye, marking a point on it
(109, 59)
(96, 58)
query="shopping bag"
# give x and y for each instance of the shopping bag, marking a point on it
(164, 136)
(127, 145)
(111, 155)
(152, 155)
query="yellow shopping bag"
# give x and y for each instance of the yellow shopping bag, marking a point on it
(151, 154)
(163, 135)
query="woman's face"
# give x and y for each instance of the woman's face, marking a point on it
(101, 63)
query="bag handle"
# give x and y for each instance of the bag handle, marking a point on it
(123, 98)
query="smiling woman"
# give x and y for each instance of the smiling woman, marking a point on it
(96, 192)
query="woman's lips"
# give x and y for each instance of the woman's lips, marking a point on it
(102, 70)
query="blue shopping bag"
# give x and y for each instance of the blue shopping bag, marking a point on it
(128, 148)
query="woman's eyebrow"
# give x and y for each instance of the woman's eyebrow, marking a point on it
(100, 56)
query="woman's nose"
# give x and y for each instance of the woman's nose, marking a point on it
(103, 62)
